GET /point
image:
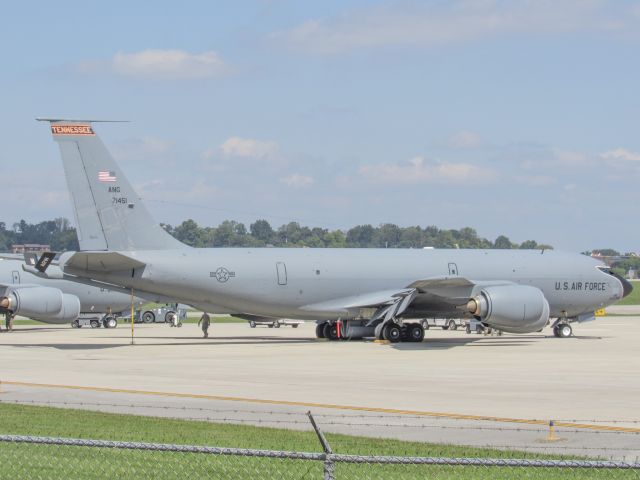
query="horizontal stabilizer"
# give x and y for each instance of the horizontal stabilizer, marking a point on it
(103, 262)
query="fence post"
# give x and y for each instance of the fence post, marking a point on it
(328, 464)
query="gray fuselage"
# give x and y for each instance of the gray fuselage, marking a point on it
(305, 283)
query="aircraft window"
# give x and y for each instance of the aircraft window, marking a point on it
(605, 269)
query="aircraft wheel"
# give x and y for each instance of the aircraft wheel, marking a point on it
(445, 326)
(556, 333)
(295, 325)
(276, 324)
(416, 333)
(252, 324)
(110, 322)
(75, 324)
(149, 317)
(564, 330)
(320, 330)
(94, 323)
(468, 328)
(392, 332)
(453, 325)
(167, 316)
(331, 331)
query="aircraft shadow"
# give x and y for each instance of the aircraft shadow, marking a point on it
(141, 343)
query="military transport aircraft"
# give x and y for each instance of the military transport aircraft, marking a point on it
(360, 292)
(55, 301)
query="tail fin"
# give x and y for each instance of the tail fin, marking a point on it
(109, 214)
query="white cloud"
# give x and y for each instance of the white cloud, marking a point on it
(248, 148)
(436, 23)
(569, 157)
(141, 148)
(620, 155)
(156, 64)
(418, 170)
(296, 180)
(465, 139)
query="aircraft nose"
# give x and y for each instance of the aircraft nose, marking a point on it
(627, 288)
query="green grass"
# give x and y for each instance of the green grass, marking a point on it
(634, 297)
(43, 461)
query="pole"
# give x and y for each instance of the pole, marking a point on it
(328, 464)
(132, 314)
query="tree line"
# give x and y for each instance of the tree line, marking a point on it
(261, 234)
(57, 233)
(61, 236)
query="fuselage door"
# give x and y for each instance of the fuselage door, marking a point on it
(15, 277)
(281, 268)
(453, 270)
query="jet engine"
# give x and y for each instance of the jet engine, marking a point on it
(511, 308)
(41, 303)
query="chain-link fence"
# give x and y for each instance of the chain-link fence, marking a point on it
(54, 457)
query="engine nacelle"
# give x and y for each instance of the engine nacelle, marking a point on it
(511, 308)
(42, 303)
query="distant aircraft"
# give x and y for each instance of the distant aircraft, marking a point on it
(54, 301)
(349, 292)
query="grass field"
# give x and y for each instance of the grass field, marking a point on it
(45, 461)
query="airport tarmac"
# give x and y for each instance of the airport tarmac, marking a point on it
(453, 387)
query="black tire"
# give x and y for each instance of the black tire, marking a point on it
(453, 325)
(320, 330)
(564, 330)
(415, 333)
(276, 324)
(556, 332)
(392, 332)
(75, 324)
(150, 317)
(110, 322)
(331, 331)
(94, 323)
(167, 316)
(295, 325)
(252, 324)
(468, 328)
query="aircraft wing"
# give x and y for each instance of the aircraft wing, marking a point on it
(101, 262)
(452, 291)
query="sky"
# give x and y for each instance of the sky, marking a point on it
(515, 118)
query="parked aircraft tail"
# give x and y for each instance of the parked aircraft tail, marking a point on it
(109, 215)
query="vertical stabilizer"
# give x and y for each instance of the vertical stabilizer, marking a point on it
(109, 214)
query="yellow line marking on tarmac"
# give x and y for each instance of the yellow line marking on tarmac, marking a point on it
(417, 413)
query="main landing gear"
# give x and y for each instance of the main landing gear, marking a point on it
(391, 331)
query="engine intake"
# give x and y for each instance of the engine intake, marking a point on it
(42, 303)
(511, 308)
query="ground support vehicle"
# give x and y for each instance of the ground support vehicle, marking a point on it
(108, 320)
(275, 323)
(444, 323)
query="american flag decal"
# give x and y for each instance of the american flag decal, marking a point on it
(106, 176)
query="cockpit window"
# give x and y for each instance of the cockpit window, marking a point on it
(605, 269)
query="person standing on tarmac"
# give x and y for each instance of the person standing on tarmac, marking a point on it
(9, 321)
(205, 321)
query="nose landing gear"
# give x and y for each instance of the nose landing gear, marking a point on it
(562, 330)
